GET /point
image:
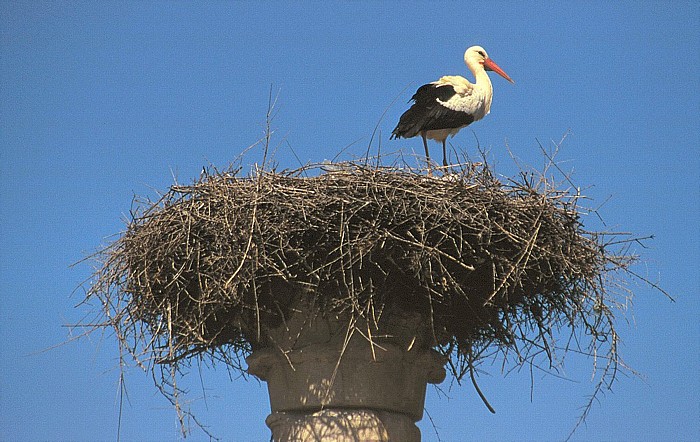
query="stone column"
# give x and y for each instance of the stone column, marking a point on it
(330, 384)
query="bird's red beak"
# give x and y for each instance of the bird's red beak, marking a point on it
(489, 65)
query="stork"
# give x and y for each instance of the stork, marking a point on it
(443, 107)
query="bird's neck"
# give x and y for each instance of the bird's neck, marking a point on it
(482, 80)
(482, 83)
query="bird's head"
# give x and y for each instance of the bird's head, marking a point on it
(477, 56)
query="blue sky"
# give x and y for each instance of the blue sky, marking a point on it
(103, 100)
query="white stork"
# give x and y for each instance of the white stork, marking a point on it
(443, 107)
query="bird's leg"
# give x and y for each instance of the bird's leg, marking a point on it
(444, 153)
(425, 145)
(427, 153)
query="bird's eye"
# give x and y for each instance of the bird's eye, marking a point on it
(482, 54)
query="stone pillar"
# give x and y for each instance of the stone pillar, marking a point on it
(330, 384)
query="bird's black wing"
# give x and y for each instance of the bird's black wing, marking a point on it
(427, 113)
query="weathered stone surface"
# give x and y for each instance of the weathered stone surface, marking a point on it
(333, 380)
(342, 425)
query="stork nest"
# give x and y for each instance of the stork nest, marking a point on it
(496, 267)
